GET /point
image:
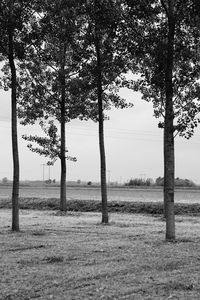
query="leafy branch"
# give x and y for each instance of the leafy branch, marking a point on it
(48, 146)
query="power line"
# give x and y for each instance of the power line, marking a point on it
(142, 135)
(119, 130)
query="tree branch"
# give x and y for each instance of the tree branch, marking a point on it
(40, 55)
(3, 49)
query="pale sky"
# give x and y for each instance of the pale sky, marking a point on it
(133, 142)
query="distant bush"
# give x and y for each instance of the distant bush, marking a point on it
(184, 182)
(49, 181)
(178, 182)
(5, 180)
(140, 182)
(160, 181)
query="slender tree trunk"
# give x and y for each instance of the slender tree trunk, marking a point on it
(101, 131)
(63, 205)
(15, 187)
(169, 168)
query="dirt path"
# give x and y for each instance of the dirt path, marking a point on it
(75, 257)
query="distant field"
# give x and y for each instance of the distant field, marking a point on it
(114, 194)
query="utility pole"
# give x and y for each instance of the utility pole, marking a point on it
(143, 176)
(43, 166)
(49, 173)
(108, 171)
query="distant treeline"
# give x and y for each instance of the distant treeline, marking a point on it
(159, 182)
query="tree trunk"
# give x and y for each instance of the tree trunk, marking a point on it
(169, 168)
(63, 204)
(15, 187)
(101, 131)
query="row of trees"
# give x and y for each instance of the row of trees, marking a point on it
(178, 182)
(67, 59)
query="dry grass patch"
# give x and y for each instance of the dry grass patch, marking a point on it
(73, 256)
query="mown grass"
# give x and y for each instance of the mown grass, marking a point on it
(75, 257)
(95, 206)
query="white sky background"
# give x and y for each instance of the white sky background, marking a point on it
(133, 142)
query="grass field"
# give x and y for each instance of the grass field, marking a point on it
(74, 257)
(93, 193)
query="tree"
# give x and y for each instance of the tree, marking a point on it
(89, 47)
(169, 123)
(166, 56)
(49, 78)
(97, 43)
(15, 40)
(102, 69)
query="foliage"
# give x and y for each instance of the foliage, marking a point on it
(23, 22)
(102, 20)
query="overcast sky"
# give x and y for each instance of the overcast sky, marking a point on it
(133, 142)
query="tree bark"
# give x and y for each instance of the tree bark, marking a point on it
(63, 204)
(15, 187)
(101, 130)
(169, 168)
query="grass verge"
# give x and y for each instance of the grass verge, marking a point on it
(95, 206)
(75, 257)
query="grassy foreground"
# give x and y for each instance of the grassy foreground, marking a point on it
(95, 206)
(74, 257)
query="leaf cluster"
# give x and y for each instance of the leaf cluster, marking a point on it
(20, 19)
